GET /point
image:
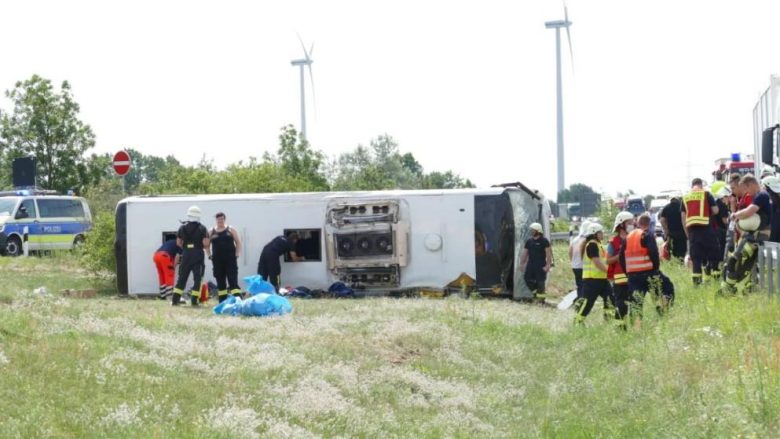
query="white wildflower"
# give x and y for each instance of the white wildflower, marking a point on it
(123, 415)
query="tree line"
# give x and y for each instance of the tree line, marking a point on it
(43, 122)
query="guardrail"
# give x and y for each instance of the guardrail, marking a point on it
(768, 268)
(559, 236)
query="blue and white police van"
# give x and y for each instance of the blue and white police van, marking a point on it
(52, 222)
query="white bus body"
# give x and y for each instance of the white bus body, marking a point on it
(766, 114)
(375, 241)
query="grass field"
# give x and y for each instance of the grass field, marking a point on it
(109, 367)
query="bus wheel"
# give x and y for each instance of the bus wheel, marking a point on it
(13, 247)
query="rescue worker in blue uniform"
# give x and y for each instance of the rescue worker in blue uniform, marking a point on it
(639, 258)
(697, 208)
(269, 266)
(193, 238)
(225, 248)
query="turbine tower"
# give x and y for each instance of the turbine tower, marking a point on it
(302, 63)
(557, 25)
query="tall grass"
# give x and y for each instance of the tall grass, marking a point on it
(381, 368)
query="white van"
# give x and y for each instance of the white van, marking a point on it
(52, 221)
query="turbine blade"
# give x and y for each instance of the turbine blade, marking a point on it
(303, 46)
(310, 52)
(313, 94)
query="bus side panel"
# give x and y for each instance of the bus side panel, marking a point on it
(451, 217)
(257, 222)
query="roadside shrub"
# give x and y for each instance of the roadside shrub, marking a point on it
(99, 246)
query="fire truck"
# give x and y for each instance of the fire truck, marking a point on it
(738, 164)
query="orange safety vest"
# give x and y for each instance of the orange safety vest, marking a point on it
(637, 257)
(697, 208)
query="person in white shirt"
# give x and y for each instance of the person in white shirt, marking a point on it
(575, 256)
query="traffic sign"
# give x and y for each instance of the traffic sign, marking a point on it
(121, 163)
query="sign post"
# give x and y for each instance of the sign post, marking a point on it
(121, 165)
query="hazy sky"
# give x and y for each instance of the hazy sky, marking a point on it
(658, 91)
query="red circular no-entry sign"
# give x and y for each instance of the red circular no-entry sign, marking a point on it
(121, 163)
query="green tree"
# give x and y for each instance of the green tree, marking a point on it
(580, 193)
(445, 180)
(44, 124)
(298, 160)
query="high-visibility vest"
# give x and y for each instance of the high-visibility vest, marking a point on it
(637, 257)
(615, 270)
(589, 269)
(697, 208)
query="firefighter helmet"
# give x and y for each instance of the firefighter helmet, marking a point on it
(193, 213)
(621, 218)
(772, 183)
(594, 228)
(749, 224)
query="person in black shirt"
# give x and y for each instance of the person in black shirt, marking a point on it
(720, 221)
(193, 238)
(225, 248)
(673, 229)
(269, 266)
(536, 261)
(772, 186)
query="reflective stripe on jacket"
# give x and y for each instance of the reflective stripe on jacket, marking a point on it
(589, 269)
(697, 208)
(637, 257)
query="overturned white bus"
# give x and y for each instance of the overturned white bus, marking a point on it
(391, 241)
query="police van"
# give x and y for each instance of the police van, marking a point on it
(52, 222)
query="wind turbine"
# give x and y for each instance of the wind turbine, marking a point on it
(304, 62)
(557, 25)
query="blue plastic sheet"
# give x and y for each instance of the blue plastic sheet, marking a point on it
(260, 305)
(255, 285)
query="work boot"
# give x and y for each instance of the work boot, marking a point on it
(176, 300)
(194, 300)
(222, 297)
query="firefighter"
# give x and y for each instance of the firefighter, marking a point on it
(225, 249)
(697, 208)
(536, 260)
(594, 276)
(269, 266)
(761, 204)
(639, 258)
(165, 259)
(193, 238)
(624, 224)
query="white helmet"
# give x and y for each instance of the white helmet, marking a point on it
(767, 171)
(594, 228)
(771, 182)
(537, 227)
(725, 191)
(621, 218)
(584, 228)
(193, 213)
(749, 224)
